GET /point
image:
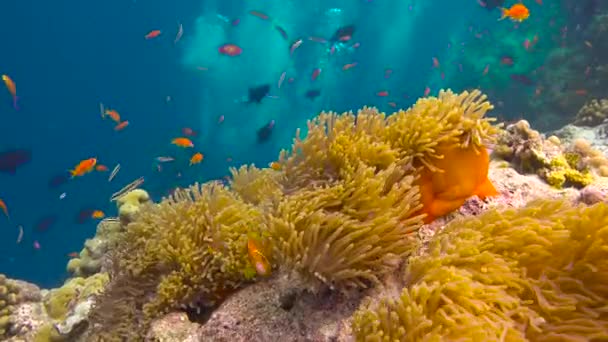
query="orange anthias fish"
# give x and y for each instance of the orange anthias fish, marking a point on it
(153, 34)
(98, 214)
(275, 166)
(12, 88)
(84, 167)
(183, 142)
(4, 207)
(101, 168)
(113, 114)
(517, 12)
(465, 174)
(257, 258)
(121, 125)
(196, 158)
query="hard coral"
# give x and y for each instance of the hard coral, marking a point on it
(128, 204)
(95, 250)
(9, 297)
(592, 113)
(530, 152)
(535, 273)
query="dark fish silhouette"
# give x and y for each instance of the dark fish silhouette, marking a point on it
(84, 215)
(492, 4)
(59, 179)
(590, 7)
(256, 94)
(44, 223)
(265, 132)
(342, 33)
(312, 94)
(10, 160)
(523, 79)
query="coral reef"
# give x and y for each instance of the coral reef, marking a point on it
(592, 113)
(576, 164)
(535, 273)
(128, 204)
(91, 257)
(14, 294)
(337, 219)
(68, 307)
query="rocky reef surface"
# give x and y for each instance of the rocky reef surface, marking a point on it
(491, 259)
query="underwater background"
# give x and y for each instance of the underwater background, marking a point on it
(68, 57)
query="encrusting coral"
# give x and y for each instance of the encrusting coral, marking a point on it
(536, 273)
(560, 166)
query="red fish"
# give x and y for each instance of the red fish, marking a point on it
(230, 50)
(383, 93)
(44, 223)
(260, 15)
(435, 62)
(315, 73)
(152, 34)
(507, 60)
(121, 126)
(348, 66)
(187, 131)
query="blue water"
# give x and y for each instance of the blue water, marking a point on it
(67, 56)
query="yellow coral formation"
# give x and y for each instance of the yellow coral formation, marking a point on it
(9, 297)
(196, 240)
(128, 204)
(535, 273)
(588, 157)
(529, 152)
(59, 301)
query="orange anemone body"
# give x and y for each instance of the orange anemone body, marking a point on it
(465, 174)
